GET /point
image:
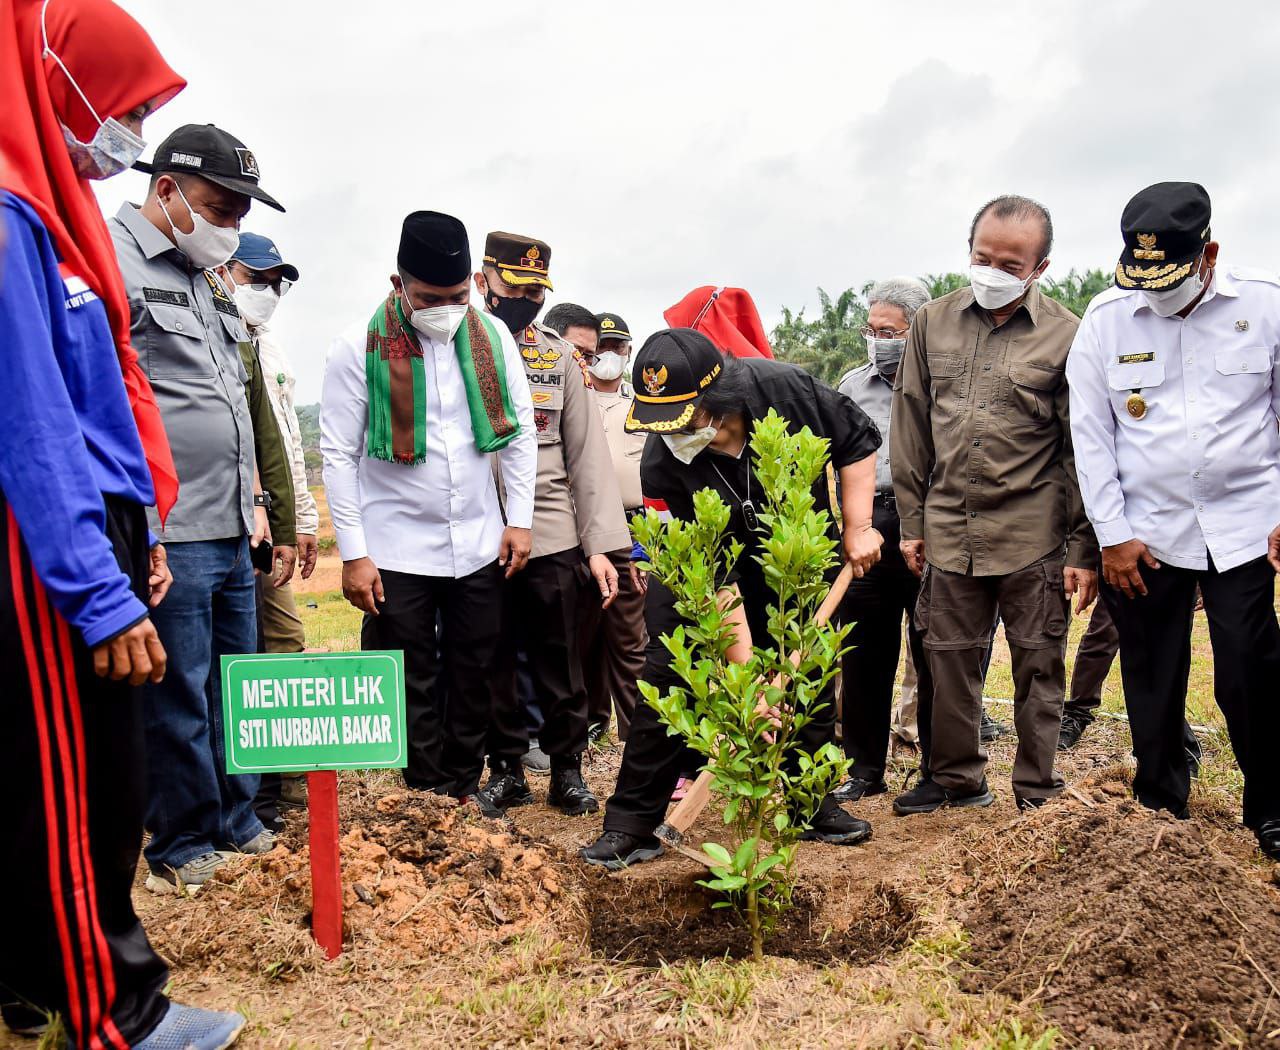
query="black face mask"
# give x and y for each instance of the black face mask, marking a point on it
(516, 314)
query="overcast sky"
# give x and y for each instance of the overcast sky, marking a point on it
(774, 146)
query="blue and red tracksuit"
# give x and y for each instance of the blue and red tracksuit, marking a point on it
(73, 574)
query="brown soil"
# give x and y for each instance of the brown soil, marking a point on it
(1128, 928)
(419, 875)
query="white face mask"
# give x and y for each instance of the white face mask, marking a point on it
(440, 323)
(1175, 300)
(113, 147)
(687, 446)
(609, 365)
(207, 246)
(994, 288)
(256, 306)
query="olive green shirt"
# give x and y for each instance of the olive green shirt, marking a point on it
(274, 469)
(981, 442)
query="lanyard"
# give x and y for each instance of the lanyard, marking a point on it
(748, 508)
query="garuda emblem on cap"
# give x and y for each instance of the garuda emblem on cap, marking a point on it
(655, 380)
(1147, 248)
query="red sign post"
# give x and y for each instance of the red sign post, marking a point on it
(326, 871)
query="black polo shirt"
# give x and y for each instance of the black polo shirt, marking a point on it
(799, 398)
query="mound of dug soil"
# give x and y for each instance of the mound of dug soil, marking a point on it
(1127, 927)
(651, 921)
(420, 877)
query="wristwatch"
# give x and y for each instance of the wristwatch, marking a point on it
(263, 500)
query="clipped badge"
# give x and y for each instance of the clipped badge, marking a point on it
(1136, 405)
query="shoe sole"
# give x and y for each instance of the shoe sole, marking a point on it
(538, 772)
(636, 856)
(576, 810)
(232, 1037)
(972, 802)
(848, 838)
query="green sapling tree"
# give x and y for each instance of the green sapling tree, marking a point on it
(745, 718)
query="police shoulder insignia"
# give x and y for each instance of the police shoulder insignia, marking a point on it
(529, 337)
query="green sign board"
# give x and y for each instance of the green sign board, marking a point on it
(285, 712)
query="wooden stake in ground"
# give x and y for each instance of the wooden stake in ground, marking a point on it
(672, 831)
(326, 871)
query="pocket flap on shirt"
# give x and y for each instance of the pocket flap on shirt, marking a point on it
(175, 319)
(1036, 377)
(1135, 376)
(1245, 359)
(945, 366)
(235, 328)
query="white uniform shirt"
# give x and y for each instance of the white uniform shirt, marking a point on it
(440, 517)
(278, 378)
(1199, 475)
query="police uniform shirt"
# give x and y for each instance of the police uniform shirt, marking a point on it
(186, 330)
(803, 402)
(625, 449)
(872, 393)
(577, 502)
(1199, 473)
(440, 517)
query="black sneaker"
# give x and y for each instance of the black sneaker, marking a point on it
(855, 788)
(482, 803)
(929, 795)
(1073, 727)
(506, 789)
(1026, 805)
(1269, 838)
(837, 828)
(596, 732)
(616, 850)
(989, 729)
(569, 792)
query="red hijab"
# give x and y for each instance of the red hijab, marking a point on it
(726, 316)
(118, 68)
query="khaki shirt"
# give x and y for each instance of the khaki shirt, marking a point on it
(981, 442)
(624, 449)
(576, 500)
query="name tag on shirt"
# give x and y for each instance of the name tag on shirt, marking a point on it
(1135, 359)
(164, 295)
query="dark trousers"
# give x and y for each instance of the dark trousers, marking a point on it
(875, 605)
(1094, 657)
(1155, 660)
(955, 613)
(72, 776)
(446, 741)
(652, 761)
(540, 615)
(613, 643)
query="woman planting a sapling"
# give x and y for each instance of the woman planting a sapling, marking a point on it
(721, 565)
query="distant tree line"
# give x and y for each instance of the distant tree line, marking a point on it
(831, 344)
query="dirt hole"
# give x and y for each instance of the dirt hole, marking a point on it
(650, 921)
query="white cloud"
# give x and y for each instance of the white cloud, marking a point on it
(773, 146)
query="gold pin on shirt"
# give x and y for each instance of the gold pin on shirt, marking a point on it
(1136, 405)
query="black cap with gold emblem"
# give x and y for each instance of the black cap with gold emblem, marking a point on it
(519, 260)
(213, 154)
(612, 327)
(1165, 228)
(672, 371)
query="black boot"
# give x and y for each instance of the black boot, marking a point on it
(569, 792)
(833, 825)
(507, 787)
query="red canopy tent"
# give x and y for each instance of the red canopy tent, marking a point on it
(726, 316)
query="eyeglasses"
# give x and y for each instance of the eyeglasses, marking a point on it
(280, 285)
(867, 332)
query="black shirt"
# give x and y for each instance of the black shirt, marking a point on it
(799, 398)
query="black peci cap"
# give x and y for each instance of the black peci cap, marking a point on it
(1165, 228)
(672, 371)
(434, 249)
(612, 327)
(213, 154)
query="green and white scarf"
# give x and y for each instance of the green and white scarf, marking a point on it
(397, 382)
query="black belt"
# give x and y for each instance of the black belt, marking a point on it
(886, 499)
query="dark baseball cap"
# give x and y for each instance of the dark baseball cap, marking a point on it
(518, 259)
(1165, 228)
(260, 253)
(672, 371)
(613, 327)
(213, 154)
